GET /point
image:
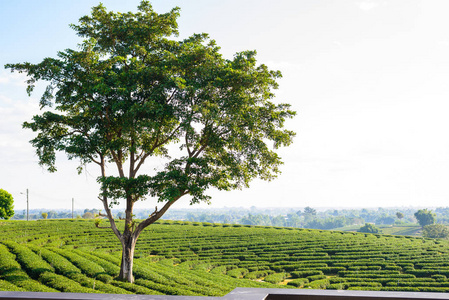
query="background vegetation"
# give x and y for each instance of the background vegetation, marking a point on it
(200, 258)
(390, 220)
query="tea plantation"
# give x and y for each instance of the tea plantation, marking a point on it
(184, 258)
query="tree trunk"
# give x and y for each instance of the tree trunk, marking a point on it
(126, 267)
(131, 234)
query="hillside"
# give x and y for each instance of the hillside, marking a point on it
(184, 258)
(406, 229)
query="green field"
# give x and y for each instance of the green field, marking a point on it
(183, 258)
(406, 229)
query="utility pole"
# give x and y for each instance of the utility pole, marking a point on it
(72, 206)
(28, 207)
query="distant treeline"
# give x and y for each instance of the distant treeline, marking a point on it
(307, 217)
(289, 217)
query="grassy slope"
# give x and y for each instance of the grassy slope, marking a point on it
(409, 230)
(206, 259)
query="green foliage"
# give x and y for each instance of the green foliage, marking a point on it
(310, 211)
(193, 260)
(316, 277)
(6, 205)
(7, 286)
(11, 271)
(64, 284)
(300, 274)
(97, 222)
(85, 265)
(425, 217)
(88, 215)
(237, 273)
(44, 215)
(59, 263)
(31, 262)
(134, 288)
(131, 88)
(437, 231)
(220, 270)
(299, 282)
(275, 278)
(318, 284)
(132, 91)
(369, 228)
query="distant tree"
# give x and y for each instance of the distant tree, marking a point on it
(293, 220)
(257, 219)
(314, 223)
(309, 211)
(334, 222)
(385, 220)
(278, 221)
(61, 215)
(53, 214)
(437, 231)
(369, 228)
(93, 211)
(88, 215)
(369, 215)
(122, 215)
(6, 205)
(132, 92)
(399, 215)
(44, 215)
(425, 217)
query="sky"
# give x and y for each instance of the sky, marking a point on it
(368, 79)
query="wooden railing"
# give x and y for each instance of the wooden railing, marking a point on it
(237, 294)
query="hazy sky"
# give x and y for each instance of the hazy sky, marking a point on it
(369, 80)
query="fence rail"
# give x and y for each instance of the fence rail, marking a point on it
(238, 294)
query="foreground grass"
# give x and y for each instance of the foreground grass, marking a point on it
(184, 258)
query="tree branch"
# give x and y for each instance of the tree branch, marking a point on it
(118, 162)
(167, 139)
(142, 160)
(156, 144)
(106, 205)
(94, 160)
(200, 150)
(187, 146)
(171, 97)
(132, 161)
(156, 215)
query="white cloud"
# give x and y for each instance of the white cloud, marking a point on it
(16, 79)
(367, 5)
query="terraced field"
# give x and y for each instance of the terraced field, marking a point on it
(183, 258)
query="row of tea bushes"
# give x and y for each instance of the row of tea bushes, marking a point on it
(213, 259)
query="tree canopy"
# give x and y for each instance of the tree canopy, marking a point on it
(436, 231)
(425, 217)
(6, 205)
(310, 211)
(133, 92)
(369, 228)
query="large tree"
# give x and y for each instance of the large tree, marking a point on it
(133, 93)
(369, 228)
(6, 205)
(435, 231)
(425, 217)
